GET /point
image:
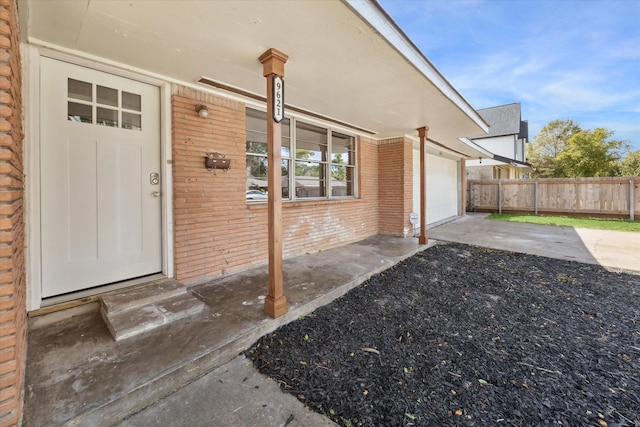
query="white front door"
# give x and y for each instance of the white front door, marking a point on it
(100, 178)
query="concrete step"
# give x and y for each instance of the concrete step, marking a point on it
(152, 313)
(137, 297)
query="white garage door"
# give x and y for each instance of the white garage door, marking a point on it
(442, 187)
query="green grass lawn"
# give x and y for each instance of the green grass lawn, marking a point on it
(598, 223)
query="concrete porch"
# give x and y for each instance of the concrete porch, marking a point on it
(78, 375)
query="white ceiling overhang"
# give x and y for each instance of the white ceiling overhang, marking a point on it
(347, 60)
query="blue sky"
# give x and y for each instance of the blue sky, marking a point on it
(572, 59)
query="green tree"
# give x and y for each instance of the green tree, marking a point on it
(339, 173)
(591, 153)
(630, 166)
(306, 168)
(545, 148)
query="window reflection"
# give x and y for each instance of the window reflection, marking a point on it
(80, 113)
(323, 162)
(107, 96)
(257, 167)
(77, 89)
(107, 117)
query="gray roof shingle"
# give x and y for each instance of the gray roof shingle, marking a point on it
(504, 120)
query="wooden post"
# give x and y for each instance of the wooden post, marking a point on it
(463, 187)
(422, 240)
(535, 197)
(500, 196)
(275, 304)
(632, 204)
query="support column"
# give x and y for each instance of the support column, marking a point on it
(463, 187)
(632, 202)
(422, 132)
(275, 304)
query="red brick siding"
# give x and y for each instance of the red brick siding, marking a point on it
(216, 232)
(395, 180)
(13, 324)
(208, 229)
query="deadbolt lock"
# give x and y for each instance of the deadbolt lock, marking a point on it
(154, 178)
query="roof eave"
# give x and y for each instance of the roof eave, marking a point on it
(512, 162)
(474, 150)
(371, 12)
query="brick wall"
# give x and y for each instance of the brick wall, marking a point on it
(13, 323)
(395, 180)
(216, 231)
(312, 225)
(209, 231)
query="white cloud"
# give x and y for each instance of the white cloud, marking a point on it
(561, 60)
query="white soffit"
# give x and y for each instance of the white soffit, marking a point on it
(342, 64)
(455, 151)
(474, 149)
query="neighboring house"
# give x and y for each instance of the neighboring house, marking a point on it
(507, 139)
(103, 144)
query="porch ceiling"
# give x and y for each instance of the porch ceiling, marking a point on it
(340, 64)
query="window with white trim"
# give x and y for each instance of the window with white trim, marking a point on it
(317, 162)
(343, 165)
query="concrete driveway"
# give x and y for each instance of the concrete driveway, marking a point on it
(611, 249)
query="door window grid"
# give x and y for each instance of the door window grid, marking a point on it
(110, 107)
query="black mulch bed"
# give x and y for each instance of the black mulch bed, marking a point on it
(460, 335)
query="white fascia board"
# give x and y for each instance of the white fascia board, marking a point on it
(518, 165)
(378, 19)
(435, 149)
(484, 153)
(485, 162)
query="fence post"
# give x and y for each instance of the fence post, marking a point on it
(535, 197)
(500, 196)
(632, 205)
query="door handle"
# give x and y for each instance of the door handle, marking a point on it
(155, 194)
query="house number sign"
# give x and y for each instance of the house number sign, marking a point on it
(278, 98)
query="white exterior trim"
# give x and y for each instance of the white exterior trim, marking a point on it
(31, 95)
(166, 172)
(145, 76)
(31, 114)
(476, 147)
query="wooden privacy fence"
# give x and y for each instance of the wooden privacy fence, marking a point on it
(616, 197)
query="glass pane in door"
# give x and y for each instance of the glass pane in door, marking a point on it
(77, 89)
(107, 96)
(80, 113)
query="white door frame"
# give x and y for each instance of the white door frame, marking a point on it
(31, 100)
